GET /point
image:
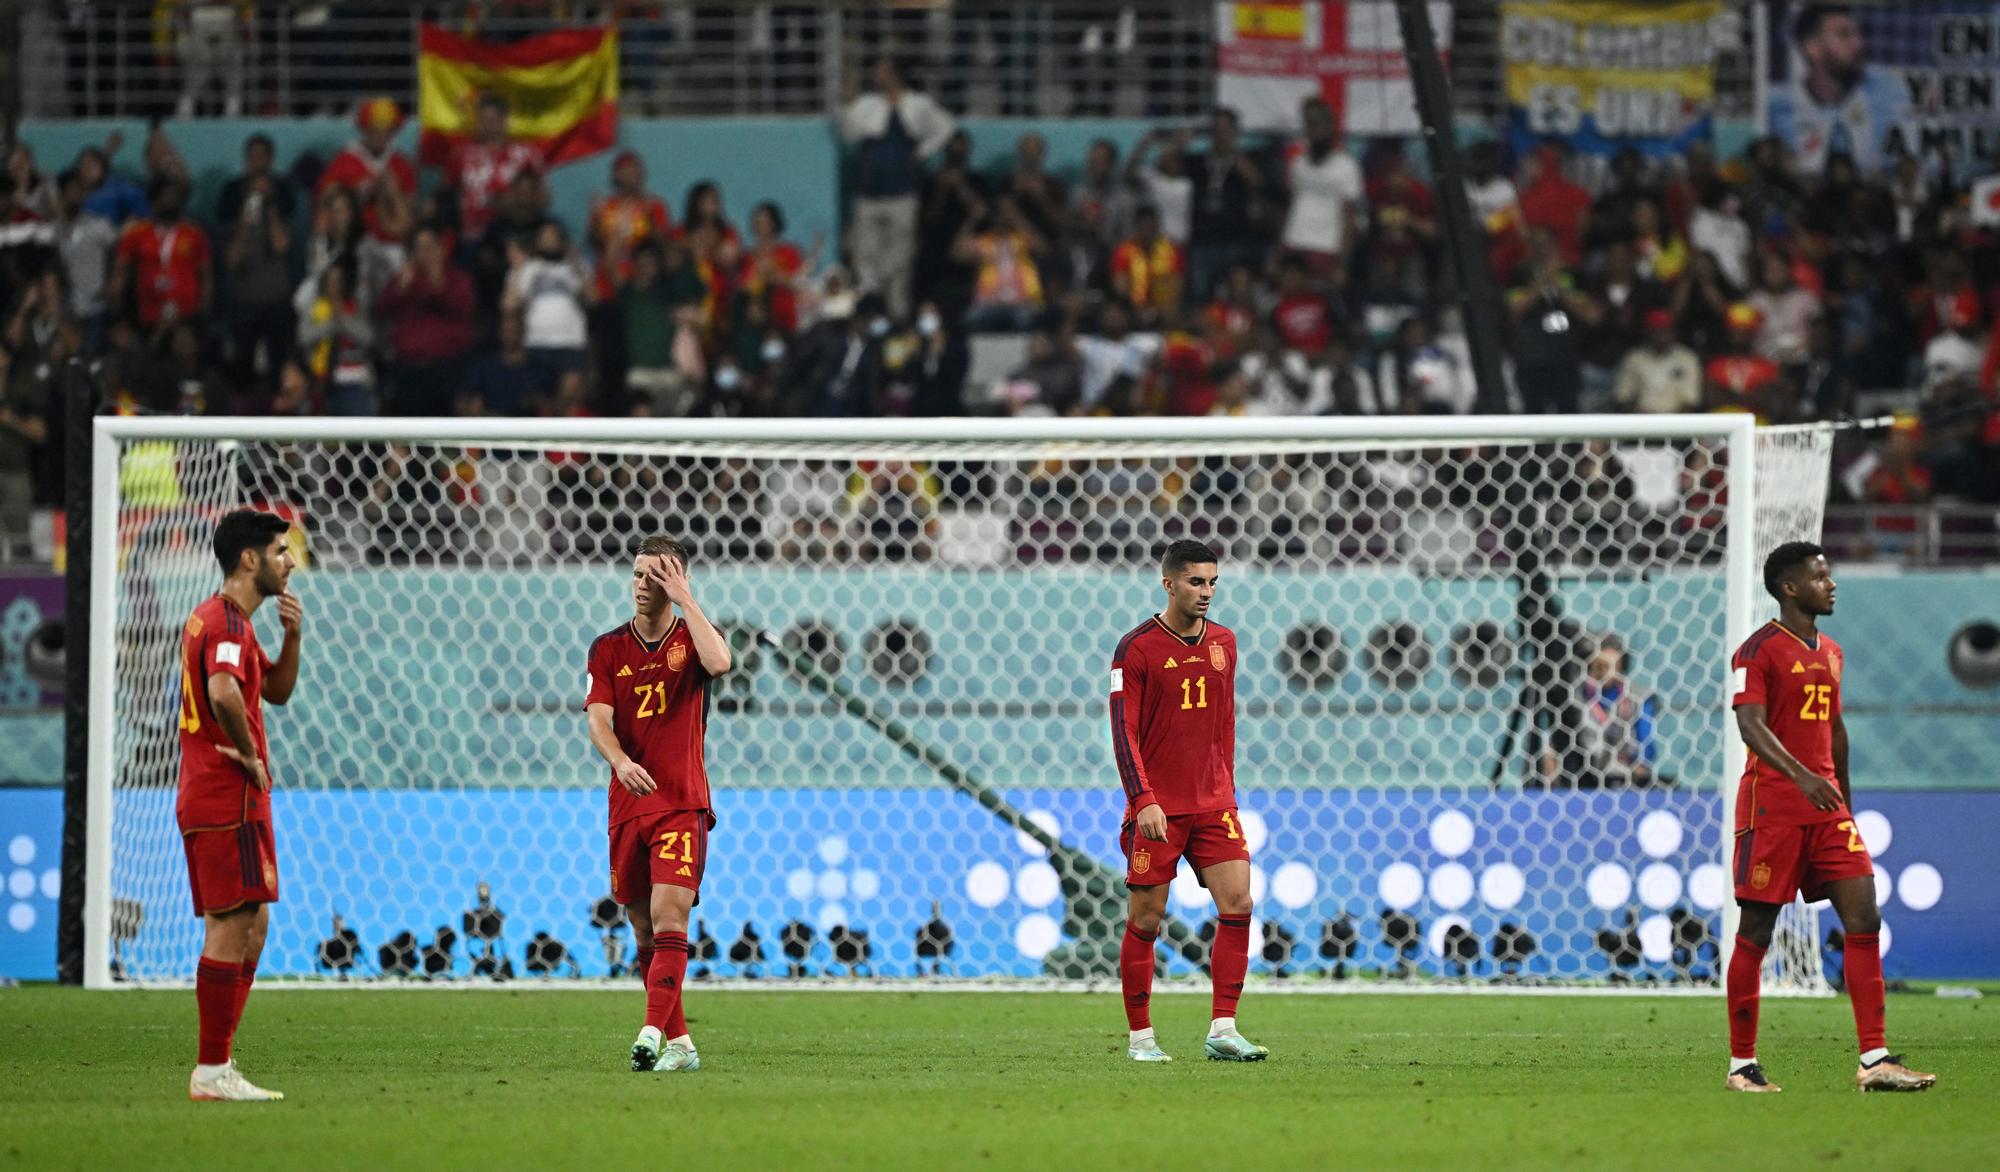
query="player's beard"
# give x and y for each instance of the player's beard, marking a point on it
(270, 580)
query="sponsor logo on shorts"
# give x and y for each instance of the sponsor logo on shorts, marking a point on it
(1216, 659)
(1142, 861)
(684, 873)
(1760, 876)
(677, 657)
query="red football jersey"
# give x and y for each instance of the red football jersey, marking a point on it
(166, 266)
(1173, 718)
(215, 792)
(658, 695)
(1798, 683)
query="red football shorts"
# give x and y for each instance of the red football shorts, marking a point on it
(228, 869)
(1775, 862)
(669, 848)
(1204, 839)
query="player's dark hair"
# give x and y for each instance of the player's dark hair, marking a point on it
(1182, 554)
(1805, 26)
(1784, 561)
(246, 529)
(660, 545)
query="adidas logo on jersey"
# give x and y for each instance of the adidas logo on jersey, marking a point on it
(1171, 665)
(624, 671)
(1798, 668)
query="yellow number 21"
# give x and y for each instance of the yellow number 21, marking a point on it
(652, 700)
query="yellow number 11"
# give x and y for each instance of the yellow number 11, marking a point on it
(1194, 692)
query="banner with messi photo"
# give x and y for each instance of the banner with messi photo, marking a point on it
(1604, 77)
(1875, 81)
(1270, 57)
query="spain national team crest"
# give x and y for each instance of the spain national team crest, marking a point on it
(1142, 861)
(1833, 665)
(1760, 876)
(677, 657)
(1215, 657)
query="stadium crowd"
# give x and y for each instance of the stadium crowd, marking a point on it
(1200, 273)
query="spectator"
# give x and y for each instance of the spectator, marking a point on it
(508, 381)
(772, 268)
(1102, 200)
(940, 364)
(187, 383)
(259, 181)
(1684, 188)
(1491, 194)
(1741, 379)
(1549, 314)
(294, 396)
(1165, 185)
(1826, 385)
(163, 262)
(548, 289)
(1227, 189)
(702, 208)
(339, 232)
(1550, 200)
(1701, 305)
(1958, 353)
(1624, 298)
(1895, 476)
(483, 167)
(24, 428)
(1418, 376)
(1619, 740)
(1007, 285)
(648, 305)
(427, 311)
(1240, 309)
(522, 211)
(1302, 318)
(1147, 270)
(107, 194)
(1077, 270)
(838, 368)
(1717, 228)
(258, 259)
(208, 39)
(33, 190)
(1662, 377)
(1661, 253)
(1785, 310)
(1325, 217)
(628, 216)
(381, 178)
(1611, 215)
(894, 129)
(953, 197)
(1038, 195)
(335, 334)
(1403, 228)
(84, 242)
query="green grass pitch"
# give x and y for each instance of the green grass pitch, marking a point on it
(806, 1080)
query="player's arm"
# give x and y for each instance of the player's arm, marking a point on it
(709, 645)
(604, 739)
(284, 674)
(1765, 743)
(1840, 759)
(225, 699)
(1128, 682)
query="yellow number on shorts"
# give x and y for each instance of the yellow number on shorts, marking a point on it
(652, 700)
(667, 838)
(1819, 702)
(1854, 842)
(1229, 820)
(1194, 693)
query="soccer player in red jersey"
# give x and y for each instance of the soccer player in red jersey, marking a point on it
(648, 708)
(1173, 731)
(224, 804)
(1795, 830)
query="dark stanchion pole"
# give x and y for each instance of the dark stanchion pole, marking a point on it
(79, 408)
(1462, 238)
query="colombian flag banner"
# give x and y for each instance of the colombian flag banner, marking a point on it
(561, 90)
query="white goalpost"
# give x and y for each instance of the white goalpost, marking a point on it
(1483, 728)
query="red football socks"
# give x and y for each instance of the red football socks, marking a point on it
(1228, 961)
(1746, 971)
(246, 975)
(645, 965)
(1135, 974)
(1864, 989)
(216, 987)
(664, 978)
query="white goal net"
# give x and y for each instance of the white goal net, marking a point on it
(1483, 729)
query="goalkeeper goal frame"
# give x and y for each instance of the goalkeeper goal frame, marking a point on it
(966, 436)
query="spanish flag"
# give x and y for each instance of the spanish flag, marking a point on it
(1270, 22)
(561, 90)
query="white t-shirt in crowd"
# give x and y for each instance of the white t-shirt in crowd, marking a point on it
(1322, 193)
(1174, 197)
(1490, 198)
(552, 304)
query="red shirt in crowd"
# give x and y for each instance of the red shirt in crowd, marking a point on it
(169, 267)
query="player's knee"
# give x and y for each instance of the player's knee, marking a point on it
(1233, 904)
(1865, 920)
(1145, 919)
(1757, 935)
